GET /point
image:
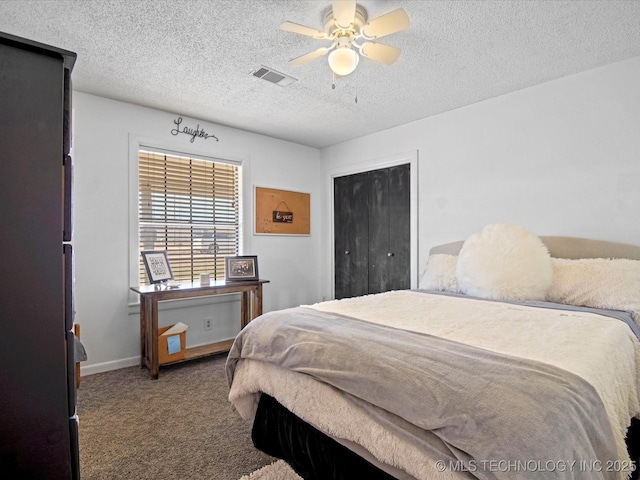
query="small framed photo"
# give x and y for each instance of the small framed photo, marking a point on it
(241, 268)
(156, 262)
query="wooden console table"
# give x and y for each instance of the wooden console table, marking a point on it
(250, 307)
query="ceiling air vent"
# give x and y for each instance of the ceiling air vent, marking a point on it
(272, 76)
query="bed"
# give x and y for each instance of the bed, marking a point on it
(453, 380)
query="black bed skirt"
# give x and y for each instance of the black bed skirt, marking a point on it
(311, 453)
(314, 455)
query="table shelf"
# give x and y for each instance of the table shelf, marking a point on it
(150, 295)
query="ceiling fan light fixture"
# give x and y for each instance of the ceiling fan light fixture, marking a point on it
(343, 60)
(352, 34)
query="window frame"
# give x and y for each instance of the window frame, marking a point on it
(137, 143)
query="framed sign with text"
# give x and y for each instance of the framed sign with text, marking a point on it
(156, 263)
(282, 212)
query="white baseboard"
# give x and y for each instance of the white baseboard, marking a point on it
(123, 362)
(108, 366)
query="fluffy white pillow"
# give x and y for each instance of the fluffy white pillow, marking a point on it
(505, 262)
(440, 273)
(597, 282)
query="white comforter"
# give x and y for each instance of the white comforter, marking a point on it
(601, 350)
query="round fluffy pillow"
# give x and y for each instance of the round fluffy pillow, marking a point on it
(504, 262)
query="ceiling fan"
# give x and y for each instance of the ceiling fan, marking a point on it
(352, 35)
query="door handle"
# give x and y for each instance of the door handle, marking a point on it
(390, 254)
(347, 252)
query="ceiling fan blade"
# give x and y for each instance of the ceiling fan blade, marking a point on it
(344, 12)
(308, 57)
(302, 30)
(392, 22)
(380, 52)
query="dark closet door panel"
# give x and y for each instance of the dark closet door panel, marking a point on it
(341, 250)
(359, 239)
(379, 247)
(351, 235)
(398, 265)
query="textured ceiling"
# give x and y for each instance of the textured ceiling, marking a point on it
(195, 58)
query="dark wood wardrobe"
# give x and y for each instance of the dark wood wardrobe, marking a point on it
(38, 423)
(372, 231)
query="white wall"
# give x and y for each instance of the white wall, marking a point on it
(561, 158)
(109, 324)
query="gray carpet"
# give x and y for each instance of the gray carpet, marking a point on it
(180, 426)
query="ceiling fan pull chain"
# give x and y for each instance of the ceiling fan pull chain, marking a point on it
(356, 80)
(333, 83)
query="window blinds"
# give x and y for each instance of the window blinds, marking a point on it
(188, 207)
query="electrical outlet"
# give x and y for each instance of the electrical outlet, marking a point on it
(207, 323)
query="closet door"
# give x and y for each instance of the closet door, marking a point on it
(399, 263)
(351, 230)
(389, 227)
(372, 232)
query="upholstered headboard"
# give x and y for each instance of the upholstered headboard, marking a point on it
(567, 247)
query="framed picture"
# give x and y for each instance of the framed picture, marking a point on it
(241, 268)
(156, 263)
(281, 212)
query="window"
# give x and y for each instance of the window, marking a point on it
(188, 207)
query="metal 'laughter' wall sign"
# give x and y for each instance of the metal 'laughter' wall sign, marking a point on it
(193, 132)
